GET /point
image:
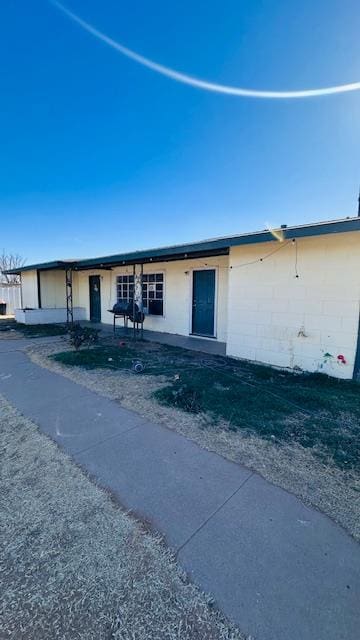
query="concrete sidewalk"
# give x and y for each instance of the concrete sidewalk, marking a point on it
(280, 570)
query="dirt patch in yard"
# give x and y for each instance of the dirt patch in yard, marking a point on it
(308, 456)
(74, 565)
(8, 328)
(41, 330)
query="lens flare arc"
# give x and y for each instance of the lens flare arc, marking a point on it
(198, 83)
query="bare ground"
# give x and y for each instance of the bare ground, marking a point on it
(292, 467)
(74, 565)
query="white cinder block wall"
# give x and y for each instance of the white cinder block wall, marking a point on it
(305, 322)
(29, 289)
(177, 293)
(52, 288)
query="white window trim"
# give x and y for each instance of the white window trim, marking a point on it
(121, 275)
(153, 272)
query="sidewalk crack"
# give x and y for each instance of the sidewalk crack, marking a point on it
(212, 515)
(97, 444)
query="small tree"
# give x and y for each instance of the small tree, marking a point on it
(10, 261)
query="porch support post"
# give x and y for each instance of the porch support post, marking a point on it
(134, 324)
(69, 296)
(141, 304)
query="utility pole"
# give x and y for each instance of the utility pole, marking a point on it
(359, 204)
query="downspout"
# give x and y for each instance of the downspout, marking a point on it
(356, 373)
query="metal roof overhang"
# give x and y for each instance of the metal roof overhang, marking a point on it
(219, 246)
(147, 257)
(202, 249)
(42, 266)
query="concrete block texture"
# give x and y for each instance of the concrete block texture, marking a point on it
(322, 302)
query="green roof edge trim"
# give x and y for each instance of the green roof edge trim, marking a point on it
(43, 266)
(209, 247)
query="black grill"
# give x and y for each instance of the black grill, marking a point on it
(120, 308)
(126, 309)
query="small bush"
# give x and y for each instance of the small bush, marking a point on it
(185, 397)
(82, 336)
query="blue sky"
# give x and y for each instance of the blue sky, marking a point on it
(100, 155)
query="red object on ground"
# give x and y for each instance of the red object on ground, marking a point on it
(341, 358)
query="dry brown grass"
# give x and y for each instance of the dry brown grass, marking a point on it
(74, 565)
(10, 334)
(292, 467)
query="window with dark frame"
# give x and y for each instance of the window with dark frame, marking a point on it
(124, 289)
(152, 292)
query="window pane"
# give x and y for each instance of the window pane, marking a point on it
(156, 307)
(152, 291)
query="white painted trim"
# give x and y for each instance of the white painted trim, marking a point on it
(191, 272)
(48, 316)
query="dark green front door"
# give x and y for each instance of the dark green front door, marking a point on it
(95, 298)
(203, 302)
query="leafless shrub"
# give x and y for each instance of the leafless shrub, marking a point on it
(10, 261)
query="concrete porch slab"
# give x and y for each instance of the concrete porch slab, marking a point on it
(205, 345)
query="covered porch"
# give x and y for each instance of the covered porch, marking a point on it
(49, 295)
(181, 295)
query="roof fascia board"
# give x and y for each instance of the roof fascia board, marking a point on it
(182, 252)
(207, 248)
(42, 266)
(147, 257)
